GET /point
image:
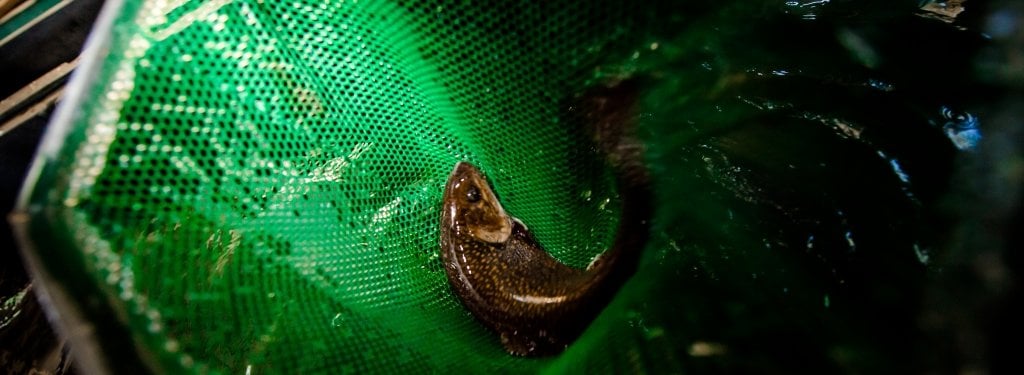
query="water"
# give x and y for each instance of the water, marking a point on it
(806, 163)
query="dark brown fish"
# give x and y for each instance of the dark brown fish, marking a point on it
(509, 282)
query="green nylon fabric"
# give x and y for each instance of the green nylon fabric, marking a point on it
(254, 186)
(257, 184)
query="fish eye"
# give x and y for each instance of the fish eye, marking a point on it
(473, 194)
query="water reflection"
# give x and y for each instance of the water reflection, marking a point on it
(803, 187)
(961, 128)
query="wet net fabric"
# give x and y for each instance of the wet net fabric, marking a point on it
(254, 186)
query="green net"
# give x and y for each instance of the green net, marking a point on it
(257, 184)
(254, 186)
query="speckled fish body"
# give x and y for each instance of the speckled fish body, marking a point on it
(499, 271)
(536, 304)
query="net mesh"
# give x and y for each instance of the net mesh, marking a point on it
(255, 185)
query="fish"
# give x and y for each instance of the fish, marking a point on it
(509, 282)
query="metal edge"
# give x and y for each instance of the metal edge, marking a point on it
(11, 12)
(61, 308)
(31, 93)
(96, 47)
(35, 21)
(40, 106)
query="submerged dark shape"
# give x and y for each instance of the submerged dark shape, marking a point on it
(535, 303)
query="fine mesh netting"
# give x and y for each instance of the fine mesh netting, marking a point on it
(255, 185)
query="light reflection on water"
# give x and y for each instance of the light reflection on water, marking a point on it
(961, 128)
